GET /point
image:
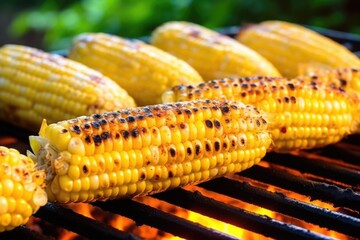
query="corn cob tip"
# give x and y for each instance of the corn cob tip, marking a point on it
(22, 188)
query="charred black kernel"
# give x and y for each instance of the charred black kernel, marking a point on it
(112, 121)
(172, 152)
(125, 134)
(242, 141)
(88, 139)
(76, 129)
(96, 116)
(142, 176)
(287, 99)
(253, 85)
(178, 111)
(149, 115)
(208, 123)
(121, 120)
(85, 169)
(283, 129)
(146, 109)
(105, 135)
(233, 143)
(117, 135)
(189, 150)
(135, 133)
(243, 94)
(314, 77)
(263, 121)
(130, 119)
(97, 140)
(217, 146)
(195, 109)
(171, 174)
(188, 112)
(227, 120)
(182, 125)
(291, 86)
(258, 123)
(244, 85)
(64, 130)
(233, 106)
(103, 122)
(154, 131)
(225, 109)
(140, 117)
(343, 82)
(148, 163)
(278, 100)
(207, 147)
(293, 99)
(216, 86)
(217, 124)
(224, 145)
(95, 125)
(156, 177)
(215, 108)
(144, 130)
(197, 149)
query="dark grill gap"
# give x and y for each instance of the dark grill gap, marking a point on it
(331, 174)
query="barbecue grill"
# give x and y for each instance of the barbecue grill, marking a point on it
(302, 195)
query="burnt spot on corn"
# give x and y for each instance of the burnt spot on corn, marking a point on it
(197, 149)
(189, 151)
(103, 122)
(88, 139)
(286, 99)
(225, 109)
(135, 133)
(291, 86)
(242, 141)
(97, 140)
(125, 134)
(130, 119)
(76, 129)
(243, 94)
(258, 123)
(217, 146)
(217, 124)
(64, 130)
(182, 125)
(86, 126)
(207, 147)
(95, 125)
(283, 129)
(171, 174)
(208, 123)
(172, 152)
(105, 135)
(85, 169)
(142, 175)
(96, 116)
(117, 135)
(293, 99)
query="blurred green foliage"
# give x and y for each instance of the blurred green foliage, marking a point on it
(62, 20)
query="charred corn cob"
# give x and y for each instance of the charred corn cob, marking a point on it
(289, 45)
(143, 70)
(21, 188)
(213, 55)
(36, 85)
(303, 114)
(146, 150)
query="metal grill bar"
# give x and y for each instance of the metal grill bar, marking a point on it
(87, 227)
(280, 203)
(317, 167)
(261, 224)
(21, 233)
(339, 197)
(144, 214)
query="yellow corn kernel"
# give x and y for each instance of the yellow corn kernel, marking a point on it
(212, 54)
(143, 70)
(302, 114)
(36, 85)
(129, 169)
(21, 188)
(288, 46)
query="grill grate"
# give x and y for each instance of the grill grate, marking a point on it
(330, 174)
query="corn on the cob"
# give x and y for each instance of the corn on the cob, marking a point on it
(303, 114)
(21, 188)
(143, 70)
(288, 45)
(36, 85)
(145, 150)
(213, 55)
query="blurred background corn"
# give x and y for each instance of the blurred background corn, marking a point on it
(146, 150)
(303, 114)
(143, 70)
(21, 188)
(289, 45)
(213, 55)
(36, 85)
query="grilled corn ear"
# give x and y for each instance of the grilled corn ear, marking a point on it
(288, 45)
(303, 114)
(213, 55)
(21, 188)
(145, 150)
(143, 70)
(36, 85)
